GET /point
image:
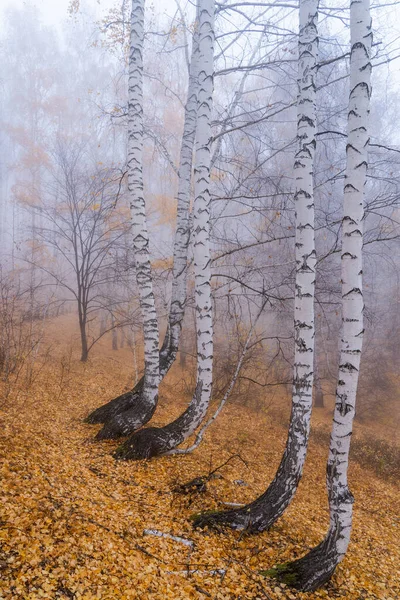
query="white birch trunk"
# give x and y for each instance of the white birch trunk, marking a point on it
(201, 214)
(138, 208)
(183, 226)
(154, 441)
(352, 297)
(265, 510)
(316, 567)
(120, 413)
(304, 328)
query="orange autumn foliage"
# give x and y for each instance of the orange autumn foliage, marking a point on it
(72, 519)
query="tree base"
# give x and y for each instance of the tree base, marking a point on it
(157, 441)
(262, 513)
(313, 570)
(234, 519)
(113, 408)
(147, 443)
(127, 422)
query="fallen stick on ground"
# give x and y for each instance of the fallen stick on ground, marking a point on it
(202, 572)
(175, 538)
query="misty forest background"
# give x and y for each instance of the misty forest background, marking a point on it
(71, 335)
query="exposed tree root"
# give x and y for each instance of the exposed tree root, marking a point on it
(116, 406)
(132, 400)
(146, 443)
(313, 570)
(156, 441)
(127, 422)
(263, 512)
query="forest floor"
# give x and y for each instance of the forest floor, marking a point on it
(72, 519)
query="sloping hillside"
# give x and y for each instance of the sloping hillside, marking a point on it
(72, 520)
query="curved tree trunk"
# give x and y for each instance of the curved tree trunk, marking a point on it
(315, 568)
(149, 388)
(265, 510)
(131, 410)
(154, 441)
(224, 399)
(118, 421)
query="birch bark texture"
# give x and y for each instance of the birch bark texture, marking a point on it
(315, 568)
(138, 216)
(265, 510)
(183, 223)
(119, 414)
(155, 441)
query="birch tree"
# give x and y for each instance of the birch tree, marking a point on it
(315, 568)
(146, 402)
(265, 510)
(154, 441)
(119, 413)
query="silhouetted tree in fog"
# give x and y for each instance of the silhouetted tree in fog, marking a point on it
(79, 221)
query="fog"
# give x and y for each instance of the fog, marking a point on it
(200, 232)
(64, 90)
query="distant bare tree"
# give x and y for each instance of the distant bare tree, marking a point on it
(79, 222)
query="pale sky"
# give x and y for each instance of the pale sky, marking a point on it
(54, 11)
